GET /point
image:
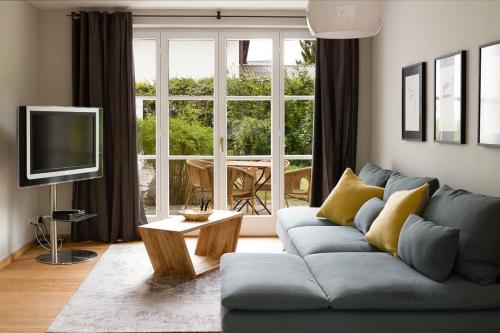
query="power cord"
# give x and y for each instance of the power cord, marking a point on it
(42, 234)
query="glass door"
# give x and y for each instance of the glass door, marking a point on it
(189, 66)
(224, 117)
(248, 118)
(147, 88)
(298, 85)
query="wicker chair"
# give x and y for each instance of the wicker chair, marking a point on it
(241, 188)
(199, 180)
(266, 187)
(292, 184)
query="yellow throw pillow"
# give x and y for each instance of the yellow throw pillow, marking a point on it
(347, 198)
(384, 232)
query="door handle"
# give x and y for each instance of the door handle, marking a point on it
(221, 142)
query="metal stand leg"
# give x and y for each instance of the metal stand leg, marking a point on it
(63, 257)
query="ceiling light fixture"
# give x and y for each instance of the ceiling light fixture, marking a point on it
(334, 19)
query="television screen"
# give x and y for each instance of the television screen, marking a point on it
(58, 144)
(61, 141)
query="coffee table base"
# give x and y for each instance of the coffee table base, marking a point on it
(169, 253)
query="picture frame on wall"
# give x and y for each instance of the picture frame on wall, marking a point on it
(414, 102)
(489, 95)
(450, 98)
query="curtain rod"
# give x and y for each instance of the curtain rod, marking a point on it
(218, 16)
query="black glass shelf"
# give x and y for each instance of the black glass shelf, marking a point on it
(82, 218)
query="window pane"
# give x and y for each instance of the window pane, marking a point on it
(146, 127)
(190, 182)
(191, 67)
(297, 183)
(191, 127)
(147, 184)
(248, 128)
(298, 127)
(299, 61)
(249, 67)
(145, 67)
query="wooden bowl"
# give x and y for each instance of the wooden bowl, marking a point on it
(195, 215)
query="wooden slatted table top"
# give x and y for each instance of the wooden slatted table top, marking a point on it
(250, 164)
(180, 225)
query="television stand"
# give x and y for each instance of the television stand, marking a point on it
(63, 257)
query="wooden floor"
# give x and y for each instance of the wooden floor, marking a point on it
(32, 294)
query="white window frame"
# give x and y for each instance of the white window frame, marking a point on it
(264, 225)
(289, 35)
(155, 35)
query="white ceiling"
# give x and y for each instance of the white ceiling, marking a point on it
(173, 4)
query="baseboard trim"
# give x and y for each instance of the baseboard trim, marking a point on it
(25, 248)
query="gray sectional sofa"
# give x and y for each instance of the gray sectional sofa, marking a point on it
(331, 280)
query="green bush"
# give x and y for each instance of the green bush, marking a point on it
(146, 136)
(190, 138)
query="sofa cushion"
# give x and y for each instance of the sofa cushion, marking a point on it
(379, 281)
(367, 214)
(399, 182)
(259, 281)
(310, 240)
(372, 174)
(384, 231)
(478, 219)
(299, 217)
(429, 248)
(347, 197)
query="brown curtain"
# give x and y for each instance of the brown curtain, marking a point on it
(335, 114)
(243, 54)
(103, 76)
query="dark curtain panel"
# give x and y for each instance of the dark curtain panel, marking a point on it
(103, 76)
(335, 114)
(244, 46)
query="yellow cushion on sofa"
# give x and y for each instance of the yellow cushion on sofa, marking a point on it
(347, 198)
(384, 231)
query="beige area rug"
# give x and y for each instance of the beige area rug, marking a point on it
(121, 294)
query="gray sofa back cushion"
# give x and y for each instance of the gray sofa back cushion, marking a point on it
(429, 248)
(399, 182)
(269, 281)
(367, 214)
(374, 175)
(478, 219)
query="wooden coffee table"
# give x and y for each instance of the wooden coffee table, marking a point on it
(167, 250)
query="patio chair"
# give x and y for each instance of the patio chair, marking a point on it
(266, 186)
(199, 180)
(241, 188)
(293, 181)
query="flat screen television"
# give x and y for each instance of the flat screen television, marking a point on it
(59, 144)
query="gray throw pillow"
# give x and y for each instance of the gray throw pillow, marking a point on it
(374, 175)
(477, 217)
(429, 248)
(367, 214)
(399, 182)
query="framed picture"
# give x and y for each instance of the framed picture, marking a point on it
(489, 95)
(414, 98)
(449, 98)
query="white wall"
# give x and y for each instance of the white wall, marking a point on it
(363, 149)
(18, 80)
(415, 31)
